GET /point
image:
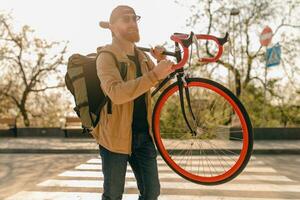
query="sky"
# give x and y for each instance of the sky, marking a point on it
(77, 21)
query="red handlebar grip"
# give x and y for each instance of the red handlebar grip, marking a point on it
(178, 38)
(213, 59)
(220, 51)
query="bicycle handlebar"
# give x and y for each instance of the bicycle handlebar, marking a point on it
(185, 40)
(168, 53)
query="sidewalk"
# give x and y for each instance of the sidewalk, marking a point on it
(88, 145)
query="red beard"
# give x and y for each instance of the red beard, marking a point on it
(132, 36)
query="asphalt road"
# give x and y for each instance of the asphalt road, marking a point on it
(48, 176)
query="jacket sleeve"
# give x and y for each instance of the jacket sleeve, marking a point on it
(120, 91)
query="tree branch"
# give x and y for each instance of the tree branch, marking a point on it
(46, 88)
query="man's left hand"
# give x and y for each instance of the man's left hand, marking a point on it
(157, 53)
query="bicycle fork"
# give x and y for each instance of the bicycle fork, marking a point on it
(183, 85)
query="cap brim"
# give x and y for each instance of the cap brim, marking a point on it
(104, 25)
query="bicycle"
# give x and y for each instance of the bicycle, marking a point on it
(211, 125)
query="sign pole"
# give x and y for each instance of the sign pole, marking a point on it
(265, 39)
(265, 93)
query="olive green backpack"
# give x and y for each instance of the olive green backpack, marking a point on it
(82, 81)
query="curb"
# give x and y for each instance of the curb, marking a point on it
(96, 151)
(49, 151)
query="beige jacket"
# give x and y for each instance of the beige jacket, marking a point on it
(114, 130)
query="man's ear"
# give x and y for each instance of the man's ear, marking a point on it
(112, 27)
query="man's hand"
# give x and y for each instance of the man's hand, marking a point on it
(157, 53)
(163, 69)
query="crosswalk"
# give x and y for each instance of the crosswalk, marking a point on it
(85, 181)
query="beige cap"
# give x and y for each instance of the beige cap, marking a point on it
(115, 14)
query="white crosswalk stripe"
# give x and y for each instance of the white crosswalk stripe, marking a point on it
(85, 180)
(130, 174)
(160, 161)
(249, 169)
(96, 196)
(174, 185)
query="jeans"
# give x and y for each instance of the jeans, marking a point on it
(144, 166)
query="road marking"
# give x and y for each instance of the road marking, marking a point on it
(129, 174)
(206, 168)
(197, 157)
(160, 161)
(175, 185)
(36, 195)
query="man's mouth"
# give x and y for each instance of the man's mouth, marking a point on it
(132, 31)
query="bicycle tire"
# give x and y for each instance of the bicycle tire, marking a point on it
(246, 127)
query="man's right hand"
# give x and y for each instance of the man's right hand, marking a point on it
(163, 69)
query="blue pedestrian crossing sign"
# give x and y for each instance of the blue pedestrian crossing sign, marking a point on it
(273, 56)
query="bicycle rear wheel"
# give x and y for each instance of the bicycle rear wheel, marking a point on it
(221, 145)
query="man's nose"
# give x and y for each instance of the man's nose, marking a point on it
(133, 23)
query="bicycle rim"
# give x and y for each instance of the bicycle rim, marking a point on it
(223, 144)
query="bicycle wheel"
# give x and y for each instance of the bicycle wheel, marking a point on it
(222, 144)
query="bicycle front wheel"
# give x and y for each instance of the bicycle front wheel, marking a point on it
(221, 143)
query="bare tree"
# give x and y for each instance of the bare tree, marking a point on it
(26, 64)
(244, 20)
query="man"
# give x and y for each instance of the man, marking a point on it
(125, 135)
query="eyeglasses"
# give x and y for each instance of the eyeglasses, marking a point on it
(126, 18)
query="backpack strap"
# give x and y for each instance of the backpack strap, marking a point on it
(122, 67)
(146, 58)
